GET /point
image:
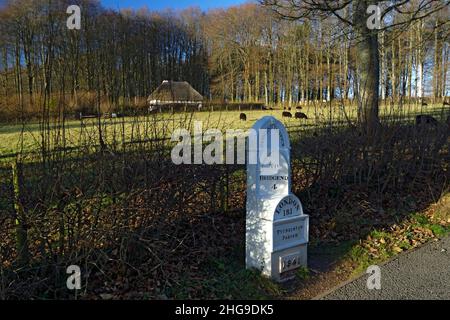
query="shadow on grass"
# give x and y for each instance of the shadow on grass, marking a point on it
(146, 229)
(225, 277)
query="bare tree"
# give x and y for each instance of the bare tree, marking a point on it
(367, 62)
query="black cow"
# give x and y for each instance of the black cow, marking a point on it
(299, 108)
(446, 103)
(287, 114)
(424, 119)
(301, 115)
(243, 117)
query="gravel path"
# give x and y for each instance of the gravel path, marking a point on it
(423, 274)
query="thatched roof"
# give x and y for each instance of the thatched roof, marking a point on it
(175, 92)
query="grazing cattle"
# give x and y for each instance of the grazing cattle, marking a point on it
(424, 119)
(424, 104)
(272, 109)
(301, 115)
(446, 103)
(299, 108)
(287, 114)
(243, 117)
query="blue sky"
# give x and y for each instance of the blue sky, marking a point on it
(175, 4)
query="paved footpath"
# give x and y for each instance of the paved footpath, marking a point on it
(423, 274)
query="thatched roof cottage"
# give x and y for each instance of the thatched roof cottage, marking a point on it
(174, 92)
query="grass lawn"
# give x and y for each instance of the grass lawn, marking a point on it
(132, 129)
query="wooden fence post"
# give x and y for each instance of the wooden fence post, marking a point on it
(21, 223)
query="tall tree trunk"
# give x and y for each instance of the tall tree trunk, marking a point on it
(307, 74)
(445, 66)
(393, 70)
(437, 50)
(368, 69)
(383, 66)
(410, 62)
(329, 80)
(419, 62)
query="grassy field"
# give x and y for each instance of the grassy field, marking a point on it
(154, 223)
(28, 137)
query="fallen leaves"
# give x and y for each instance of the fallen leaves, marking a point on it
(397, 249)
(106, 296)
(382, 244)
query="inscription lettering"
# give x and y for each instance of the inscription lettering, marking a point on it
(274, 178)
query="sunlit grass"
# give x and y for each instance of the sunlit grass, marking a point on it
(27, 138)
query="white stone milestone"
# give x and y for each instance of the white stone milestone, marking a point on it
(277, 228)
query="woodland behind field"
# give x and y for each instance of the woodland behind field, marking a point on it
(240, 54)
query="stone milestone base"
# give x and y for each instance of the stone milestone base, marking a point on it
(286, 262)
